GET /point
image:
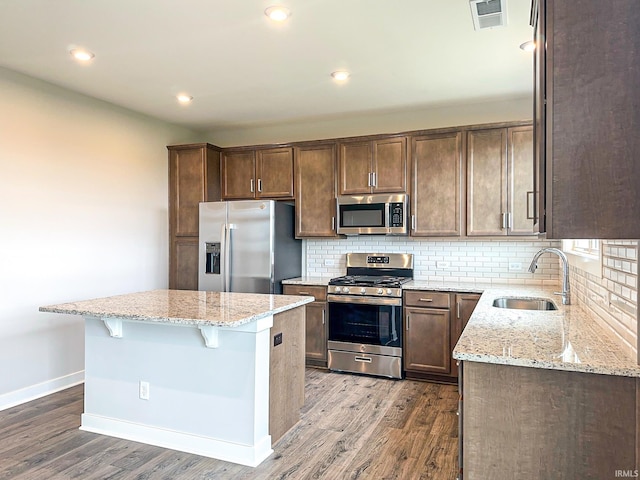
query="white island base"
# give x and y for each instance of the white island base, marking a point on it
(208, 401)
(214, 374)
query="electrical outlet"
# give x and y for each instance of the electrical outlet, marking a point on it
(442, 265)
(328, 262)
(515, 266)
(277, 339)
(144, 390)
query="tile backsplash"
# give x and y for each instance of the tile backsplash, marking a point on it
(496, 261)
(612, 297)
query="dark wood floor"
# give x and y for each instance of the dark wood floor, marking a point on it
(352, 427)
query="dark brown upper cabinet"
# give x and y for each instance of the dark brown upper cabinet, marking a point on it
(587, 118)
(500, 181)
(315, 187)
(373, 166)
(254, 174)
(436, 185)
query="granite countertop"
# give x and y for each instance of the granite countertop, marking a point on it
(184, 307)
(447, 286)
(317, 281)
(566, 339)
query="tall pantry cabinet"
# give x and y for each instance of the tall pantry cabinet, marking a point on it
(194, 177)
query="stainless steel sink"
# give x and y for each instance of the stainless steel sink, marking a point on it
(524, 303)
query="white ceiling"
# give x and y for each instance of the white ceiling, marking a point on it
(244, 70)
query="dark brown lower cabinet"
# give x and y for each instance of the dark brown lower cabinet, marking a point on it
(465, 304)
(426, 340)
(433, 323)
(538, 424)
(317, 326)
(183, 274)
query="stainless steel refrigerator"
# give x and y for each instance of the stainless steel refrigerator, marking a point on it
(247, 246)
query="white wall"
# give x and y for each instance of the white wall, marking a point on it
(498, 110)
(83, 214)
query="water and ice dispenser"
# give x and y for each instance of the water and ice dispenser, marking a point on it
(212, 252)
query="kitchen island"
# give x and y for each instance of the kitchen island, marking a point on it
(215, 374)
(544, 394)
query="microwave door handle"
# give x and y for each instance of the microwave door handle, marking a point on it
(387, 216)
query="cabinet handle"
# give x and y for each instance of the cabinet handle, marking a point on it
(458, 309)
(369, 180)
(503, 220)
(426, 299)
(374, 179)
(531, 214)
(251, 185)
(333, 223)
(259, 185)
(407, 321)
(323, 316)
(303, 293)
(413, 222)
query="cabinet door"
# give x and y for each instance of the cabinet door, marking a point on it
(238, 175)
(183, 268)
(521, 193)
(390, 165)
(436, 195)
(315, 188)
(316, 333)
(593, 119)
(487, 182)
(274, 172)
(427, 340)
(355, 168)
(187, 186)
(465, 304)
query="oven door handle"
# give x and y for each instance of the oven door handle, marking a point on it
(396, 302)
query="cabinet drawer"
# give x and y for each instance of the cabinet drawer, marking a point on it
(427, 299)
(320, 293)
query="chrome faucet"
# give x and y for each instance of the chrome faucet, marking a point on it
(566, 294)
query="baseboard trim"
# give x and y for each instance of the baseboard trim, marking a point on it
(39, 390)
(249, 455)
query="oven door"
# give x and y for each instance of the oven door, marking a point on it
(370, 324)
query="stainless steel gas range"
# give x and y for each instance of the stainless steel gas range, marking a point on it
(365, 314)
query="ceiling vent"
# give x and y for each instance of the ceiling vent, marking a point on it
(488, 13)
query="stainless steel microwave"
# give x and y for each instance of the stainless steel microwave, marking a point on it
(373, 214)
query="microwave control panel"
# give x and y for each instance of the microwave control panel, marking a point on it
(396, 214)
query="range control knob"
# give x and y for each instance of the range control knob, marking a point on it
(336, 289)
(380, 291)
(363, 290)
(389, 291)
(345, 289)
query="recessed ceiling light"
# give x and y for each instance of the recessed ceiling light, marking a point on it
(277, 13)
(529, 46)
(81, 54)
(184, 98)
(340, 75)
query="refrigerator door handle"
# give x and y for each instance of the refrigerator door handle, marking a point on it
(227, 270)
(223, 256)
